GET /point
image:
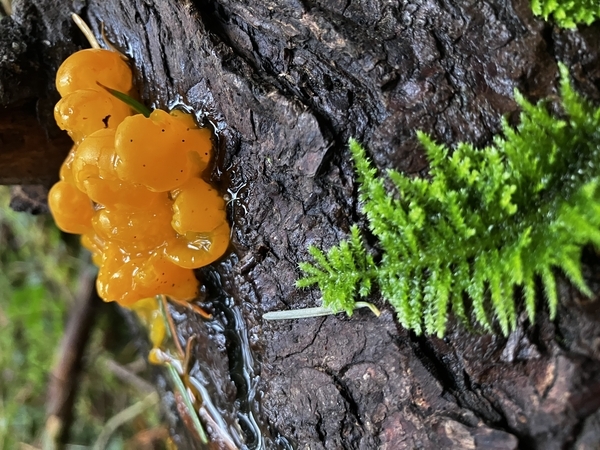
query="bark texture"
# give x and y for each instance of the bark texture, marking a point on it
(33, 42)
(285, 84)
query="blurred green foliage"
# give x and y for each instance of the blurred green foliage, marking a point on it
(37, 270)
(39, 274)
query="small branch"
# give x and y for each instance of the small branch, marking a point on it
(7, 7)
(127, 376)
(63, 380)
(314, 312)
(172, 329)
(85, 29)
(122, 418)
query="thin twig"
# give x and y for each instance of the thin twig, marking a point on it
(63, 384)
(122, 418)
(188, 353)
(85, 29)
(192, 414)
(127, 376)
(109, 44)
(7, 6)
(172, 328)
(25, 446)
(195, 308)
(314, 312)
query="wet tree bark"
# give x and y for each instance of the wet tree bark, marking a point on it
(285, 84)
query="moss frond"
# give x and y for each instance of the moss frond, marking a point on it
(567, 13)
(485, 222)
(342, 273)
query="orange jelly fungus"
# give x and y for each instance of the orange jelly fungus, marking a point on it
(85, 68)
(131, 186)
(148, 310)
(82, 112)
(178, 150)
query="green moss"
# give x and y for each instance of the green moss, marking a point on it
(567, 13)
(485, 222)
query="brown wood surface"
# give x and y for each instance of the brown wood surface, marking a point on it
(285, 84)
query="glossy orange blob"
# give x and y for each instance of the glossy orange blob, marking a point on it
(156, 151)
(71, 208)
(83, 69)
(82, 112)
(115, 282)
(95, 245)
(65, 173)
(84, 162)
(194, 250)
(137, 230)
(198, 207)
(93, 172)
(158, 275)
(148, 310)
(127, 280)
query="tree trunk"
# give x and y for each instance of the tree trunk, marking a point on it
(285, 84)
